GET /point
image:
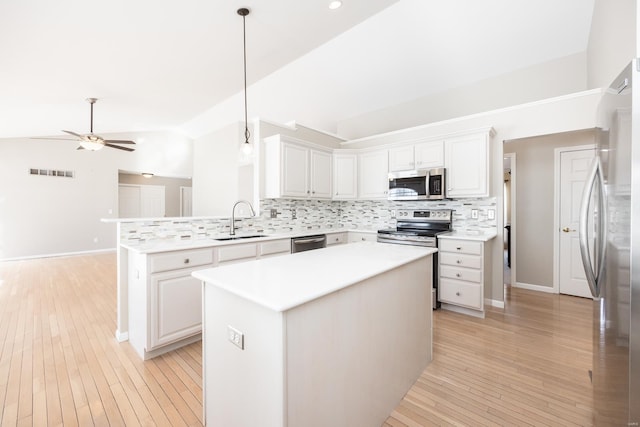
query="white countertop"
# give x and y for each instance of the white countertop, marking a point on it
(480, 236)
(285, 282)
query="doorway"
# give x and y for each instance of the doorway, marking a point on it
(509, 217)
(572, 168)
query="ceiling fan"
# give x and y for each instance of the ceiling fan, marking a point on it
(93, 142)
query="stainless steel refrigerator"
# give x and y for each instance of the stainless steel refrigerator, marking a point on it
(610, 249)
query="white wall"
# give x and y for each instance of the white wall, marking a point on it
(215, 171)
(41, 215)
(550, 79)
(612, 40)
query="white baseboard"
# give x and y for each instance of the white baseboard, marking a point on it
(539, 288)
(463, 310)
(62, 254)
(122, 336)
(494, 303)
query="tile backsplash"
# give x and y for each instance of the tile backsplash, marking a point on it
(302, 215)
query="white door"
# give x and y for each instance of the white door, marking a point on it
(128, 201)
(152, 201)
(574, 167)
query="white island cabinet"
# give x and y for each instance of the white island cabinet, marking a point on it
(331, 337)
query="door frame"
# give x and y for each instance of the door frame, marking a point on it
(513, 237)
(557, 152)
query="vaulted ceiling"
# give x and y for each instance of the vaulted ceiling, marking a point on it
(164, 64)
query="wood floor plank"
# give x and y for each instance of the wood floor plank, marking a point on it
(60, 364)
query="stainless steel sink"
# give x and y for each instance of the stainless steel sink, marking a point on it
(252, 236)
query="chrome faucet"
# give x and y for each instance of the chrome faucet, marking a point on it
(232, 226)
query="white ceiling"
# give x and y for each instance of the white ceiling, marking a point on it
(166, 64)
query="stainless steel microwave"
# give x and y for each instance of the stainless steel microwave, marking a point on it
(422, 184)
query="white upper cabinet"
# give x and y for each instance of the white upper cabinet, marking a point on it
(373, 174)
(345, 176)
(296, 170)
(429, 154)
(401, 158)
(467, 163)
(421, 155)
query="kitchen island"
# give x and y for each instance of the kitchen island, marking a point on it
(334, 336)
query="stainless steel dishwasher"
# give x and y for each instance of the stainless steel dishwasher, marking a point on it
(307, 243)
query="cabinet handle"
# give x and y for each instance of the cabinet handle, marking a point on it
(307, 191)
(364, 239)
(458, 248)
(458, 275)
(458, 261)
(186, 260)
(457, 294)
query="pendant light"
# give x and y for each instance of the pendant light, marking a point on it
(246, 146)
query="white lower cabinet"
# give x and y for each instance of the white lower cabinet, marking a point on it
(336, 238)
(462, 275)
(361, 236)
(176, 307)
(165, 300)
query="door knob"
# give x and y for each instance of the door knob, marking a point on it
(567, 229)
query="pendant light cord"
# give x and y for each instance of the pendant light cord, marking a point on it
(244, 12)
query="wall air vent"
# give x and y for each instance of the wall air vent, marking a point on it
(51, 172)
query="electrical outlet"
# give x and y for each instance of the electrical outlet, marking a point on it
(293, 214)
(235, 336)
(491, 214)
(393, 213)
(474, 213)
(274, 213)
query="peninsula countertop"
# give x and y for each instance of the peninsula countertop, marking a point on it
(283, 283)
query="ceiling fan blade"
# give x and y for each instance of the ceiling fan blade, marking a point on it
(119, 148)
(118, 141)
(73, 133)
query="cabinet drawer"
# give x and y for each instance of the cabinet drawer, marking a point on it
(460, 246)
(181, 259)
(461, 293)
(467, 274)
(230, 253)
(362, 237)
(275, 247)
(461, 260)
(336, 238)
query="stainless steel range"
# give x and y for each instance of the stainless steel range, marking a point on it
(420, 228)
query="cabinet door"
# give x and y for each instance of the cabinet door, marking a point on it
(466, 160)
(295, 171)
(176, 307)
(429, 155)
(373, 175)
(345, 176)
(320, 174)
(401, 158)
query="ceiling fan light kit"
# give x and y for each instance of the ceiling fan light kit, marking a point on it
(93, 142)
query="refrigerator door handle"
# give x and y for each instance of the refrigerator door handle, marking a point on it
(602, 229)
(583, 229)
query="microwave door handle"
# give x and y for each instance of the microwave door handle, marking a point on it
(583, 230)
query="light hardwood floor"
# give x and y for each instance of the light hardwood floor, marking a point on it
(61, 365)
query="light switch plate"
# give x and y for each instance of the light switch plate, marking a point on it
(474, 213)
(491, 214)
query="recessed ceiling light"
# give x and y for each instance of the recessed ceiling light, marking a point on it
(335, 4)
